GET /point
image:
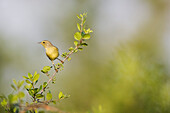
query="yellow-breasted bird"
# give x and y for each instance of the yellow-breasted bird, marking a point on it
(51, 51)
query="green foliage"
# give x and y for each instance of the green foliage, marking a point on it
(62, 96)
(44, 84)
(46, 69)
(86, 36)
(49, 96)
(75, 43)
(4, 103)
(78, 26)
(37, 92)
(21, 94)
(77, 36)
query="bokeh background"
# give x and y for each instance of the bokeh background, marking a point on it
(125, 68)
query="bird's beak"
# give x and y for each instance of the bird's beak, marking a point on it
(39, 42)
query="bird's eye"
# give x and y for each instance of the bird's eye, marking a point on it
(44, 42)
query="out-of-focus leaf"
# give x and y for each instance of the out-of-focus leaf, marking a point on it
(36, 77)
(14, 99)
(86, 36)
(60, 95)
(21, 94)
(78, 26)
(75, 43)
(69, 59)
(84, 44)
(15, 82)
(27, 81)
(40, 88)
(49, 96)
(4, 103)
(20, 83)
(44, 84)
(13, 87)
(39, 96)
(78, 17)
(77, 36)
(28, 86)
(29, 75)
(71, 48)
(80, 49)
(46, 69)
(25, 77)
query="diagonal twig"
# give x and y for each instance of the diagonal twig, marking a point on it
(56, 70)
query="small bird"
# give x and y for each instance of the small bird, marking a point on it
(51, 51)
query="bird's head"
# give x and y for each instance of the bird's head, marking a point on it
(46, 43)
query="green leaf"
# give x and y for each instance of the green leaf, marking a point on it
(42, 71)
(84, 28)
(27, 81)
(31, 92)
(78, 17)
(13, 87)
(40, 88)
(88, 31)
(20, 83)
(84, 44)
(53, 82)
(14, 99)
(84, 14)
(39, 96)
(44, 84)
(29, 75)
(54, 102)
(36, 77)
(66, 96)
(60, 95)
(35, 90)
(86, 36)
(4, 103)
(71, 48)
(15, 109)
(78, 26)
(64, 54)
(36, 82)
(80, 49)
(25, 77)
(46, 69)
(75, 50)
(28, 86)
(77, 36)
(69, 58)
(15, 82)
(84, 20)
(35, 73)
(75, 43)
(21, 94)
(36, 111)
(49, 96)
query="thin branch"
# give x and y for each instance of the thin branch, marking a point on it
(62, 61)
(50, 79)
(48, 82)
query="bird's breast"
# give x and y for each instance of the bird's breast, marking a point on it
(52, 53)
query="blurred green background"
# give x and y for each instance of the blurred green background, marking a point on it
(125, 68)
